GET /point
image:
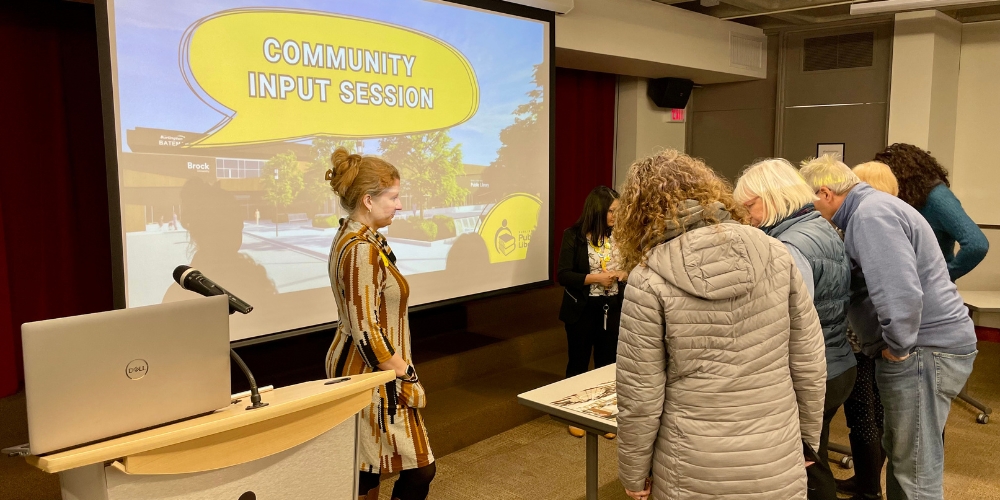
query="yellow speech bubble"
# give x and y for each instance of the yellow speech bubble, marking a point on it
(508, 226)
(292, 74)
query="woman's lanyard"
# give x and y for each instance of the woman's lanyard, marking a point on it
(605, 258)
(603, 252)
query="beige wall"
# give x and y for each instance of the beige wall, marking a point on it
(925, 73)
(732, 124)
(653, 40)
(846, 106)
(945, 99)
(976, 177)
(643, 128)
(976, 174)
(986, 276)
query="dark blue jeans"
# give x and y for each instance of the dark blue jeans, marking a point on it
(917, 394)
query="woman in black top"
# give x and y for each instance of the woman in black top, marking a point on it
(592, 302)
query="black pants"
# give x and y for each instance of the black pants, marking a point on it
(589, 334)
(864, 413)
(822, 485)
(412, 484)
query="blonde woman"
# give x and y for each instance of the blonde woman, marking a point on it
(878, 175)
(781, 204)
(721, 370)
(374, 331)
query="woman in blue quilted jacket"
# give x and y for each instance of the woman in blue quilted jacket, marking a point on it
(780, 203)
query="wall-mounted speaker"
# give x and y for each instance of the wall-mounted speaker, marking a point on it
(670, 92)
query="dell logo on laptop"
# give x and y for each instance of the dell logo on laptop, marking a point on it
(137, 369)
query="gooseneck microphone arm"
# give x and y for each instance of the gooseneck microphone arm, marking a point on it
(254, 393)
(191, 279)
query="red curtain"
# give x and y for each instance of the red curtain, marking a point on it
(585, 143)
(55, 251)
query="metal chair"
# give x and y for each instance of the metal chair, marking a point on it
(846, 460)
(984, 410)
(982, 302)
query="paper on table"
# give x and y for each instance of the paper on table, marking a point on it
(600, 401)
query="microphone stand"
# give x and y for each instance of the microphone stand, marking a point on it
(254, 393)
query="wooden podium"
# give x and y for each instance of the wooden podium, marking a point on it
(304, 444)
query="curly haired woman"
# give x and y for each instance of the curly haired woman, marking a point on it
(923, 184)
(721, 370)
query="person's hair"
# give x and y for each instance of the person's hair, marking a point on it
(353, 176)
(878, 175)
(593, 222)
(653, 195)
(829, 172)
(780, 187)
(916, 171)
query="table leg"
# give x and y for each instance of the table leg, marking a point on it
(591, 466)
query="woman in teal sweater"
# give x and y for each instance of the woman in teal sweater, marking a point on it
(923, 183)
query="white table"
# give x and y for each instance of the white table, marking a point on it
(982, 301)
(542, 399)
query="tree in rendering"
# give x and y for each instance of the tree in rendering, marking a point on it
(429, 166)
(282, 181)
(519, 167)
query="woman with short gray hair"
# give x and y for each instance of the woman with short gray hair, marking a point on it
(780, 203)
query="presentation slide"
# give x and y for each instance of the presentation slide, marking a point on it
(227, 112)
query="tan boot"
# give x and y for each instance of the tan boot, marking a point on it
(372, 494)
(577, 432)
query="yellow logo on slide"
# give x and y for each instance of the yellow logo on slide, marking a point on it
(291, 74)
(508, 226)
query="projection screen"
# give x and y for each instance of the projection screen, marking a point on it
(225, 113)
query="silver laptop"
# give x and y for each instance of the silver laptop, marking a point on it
(95, 376)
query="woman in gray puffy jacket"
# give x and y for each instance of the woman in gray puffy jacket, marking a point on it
(721, 373)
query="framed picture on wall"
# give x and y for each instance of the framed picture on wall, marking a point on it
(832, 148)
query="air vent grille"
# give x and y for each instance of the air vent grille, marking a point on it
(746, 51)
(853, 50)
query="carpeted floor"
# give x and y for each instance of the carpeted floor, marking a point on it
(541, 461)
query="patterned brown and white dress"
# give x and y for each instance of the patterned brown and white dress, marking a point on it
(371, 297)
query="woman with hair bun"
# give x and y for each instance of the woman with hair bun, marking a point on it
(374, 331)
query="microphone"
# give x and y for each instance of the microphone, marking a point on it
(191, 279)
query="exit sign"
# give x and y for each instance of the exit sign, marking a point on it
(675, 116)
